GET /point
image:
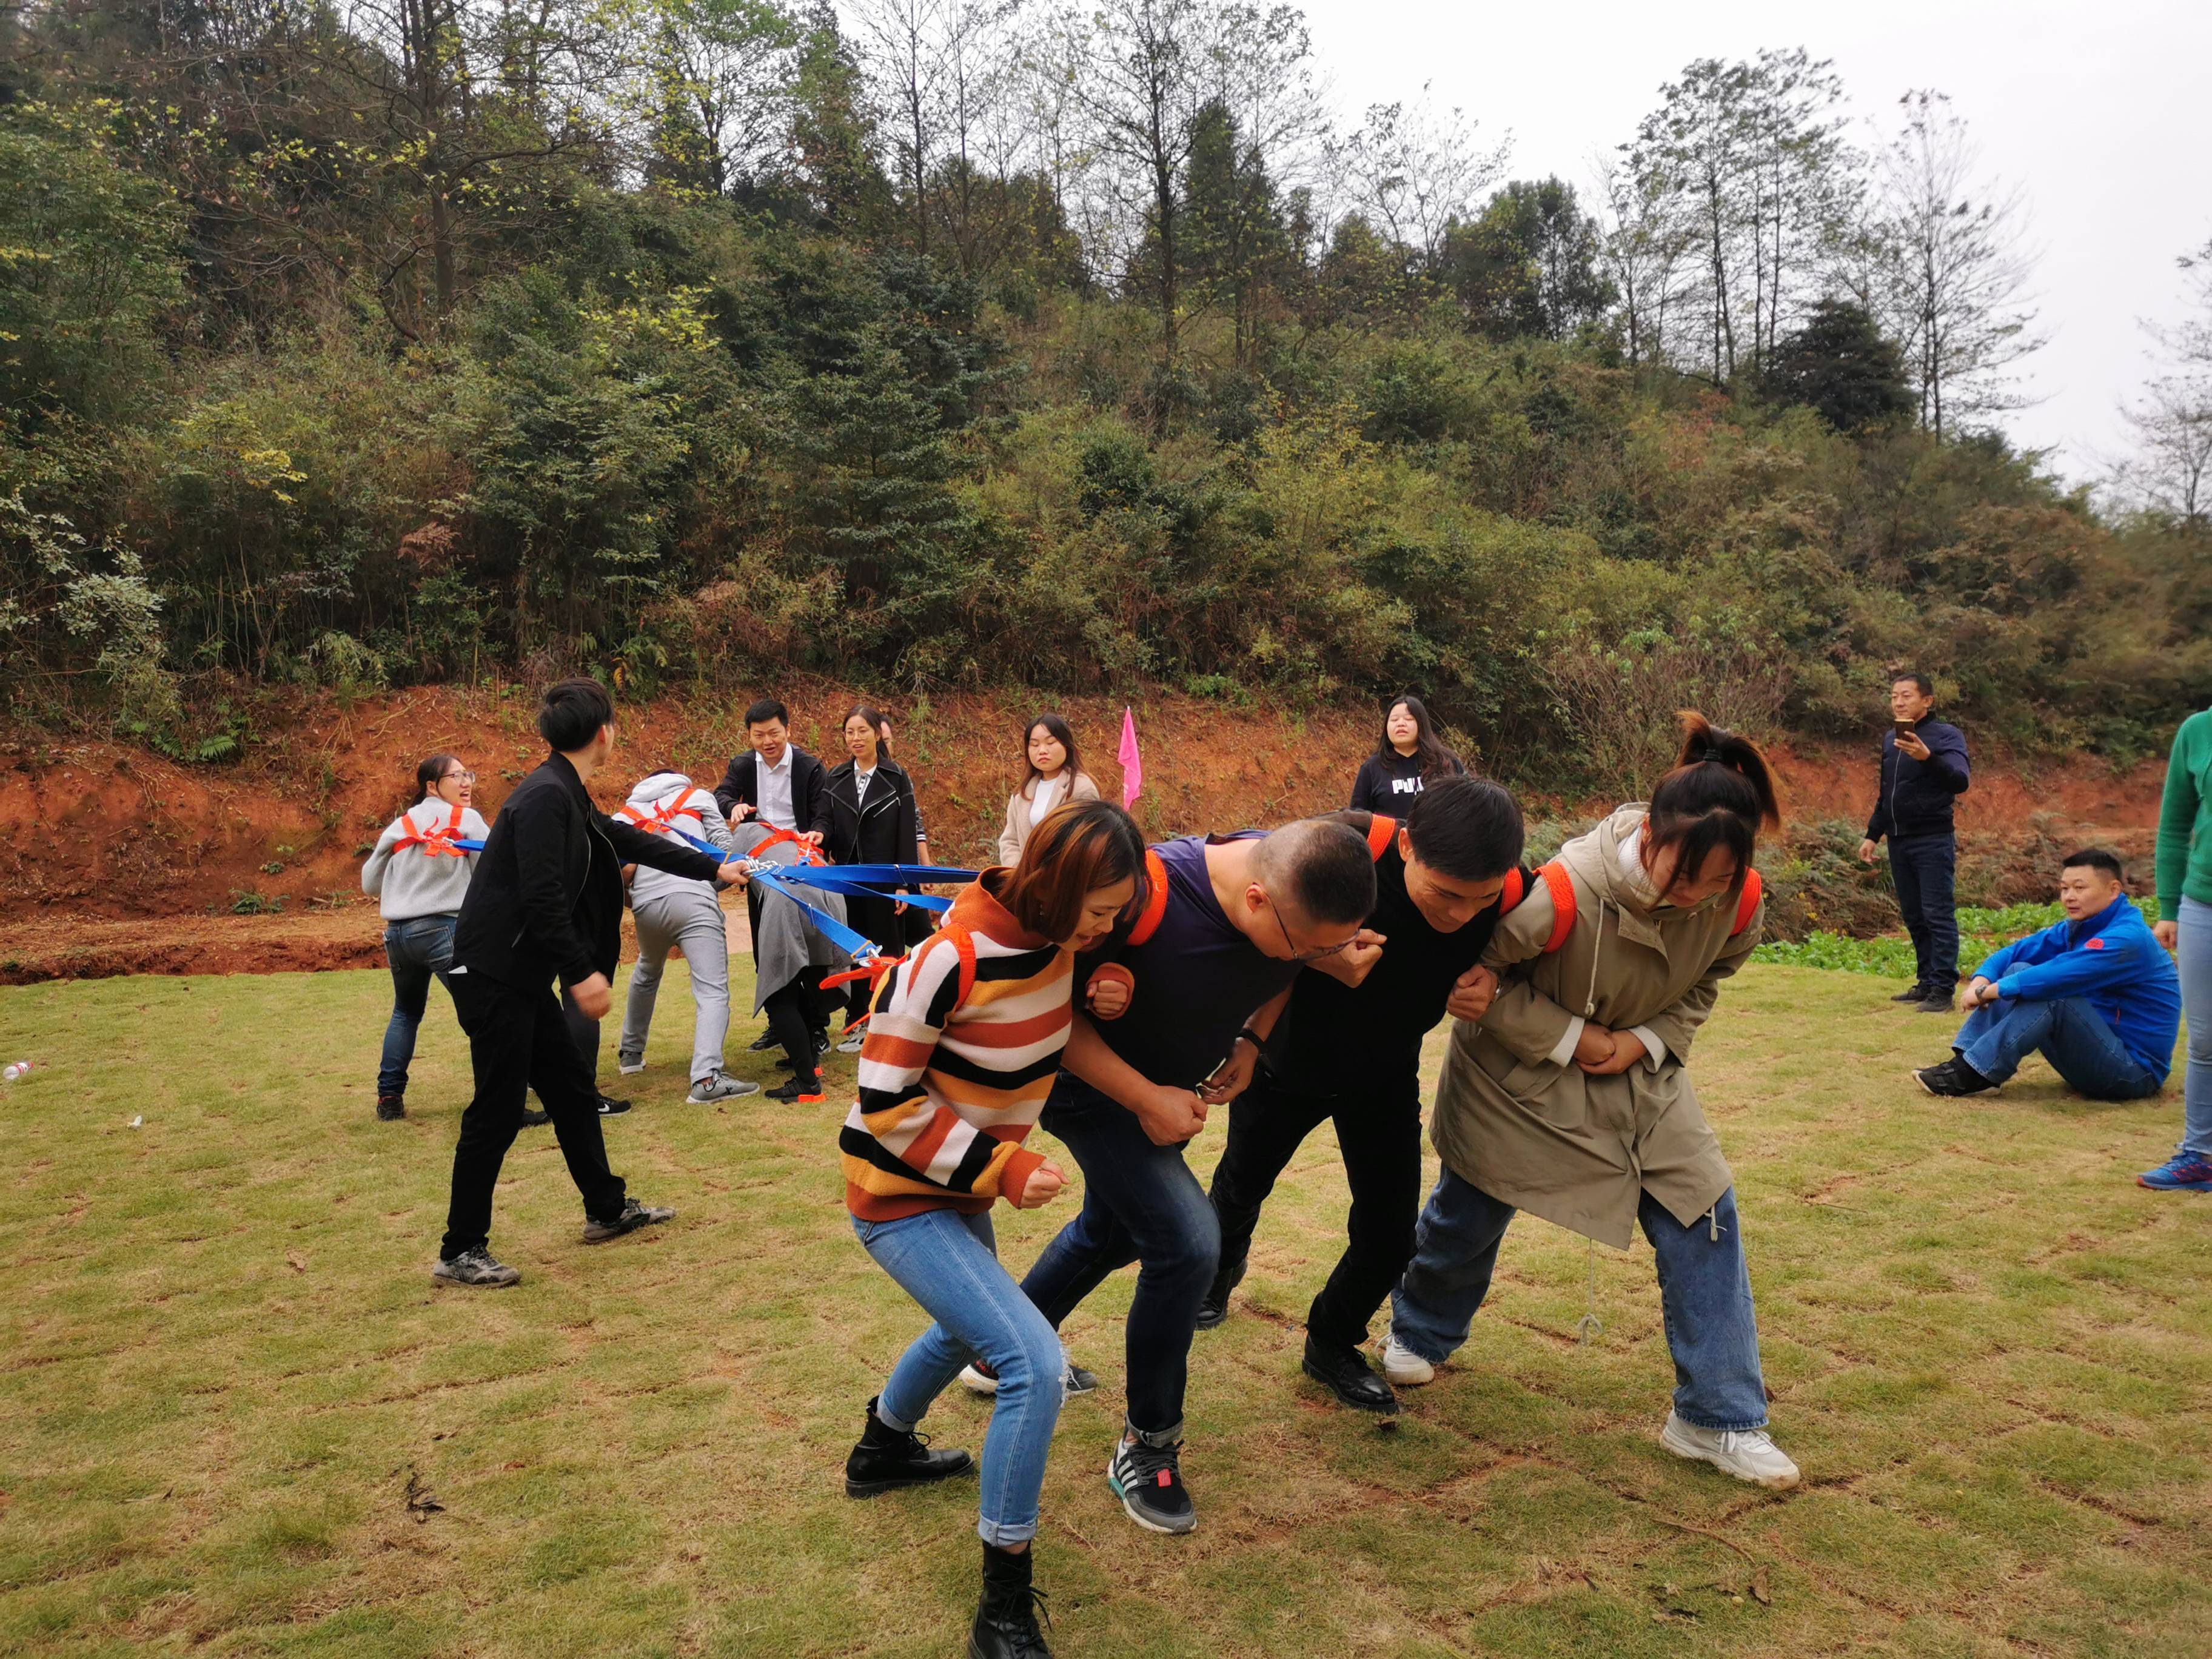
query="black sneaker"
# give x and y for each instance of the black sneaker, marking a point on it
(534, 1115)
(791, 1093)
(1148, 1480)
(886, 1458)
(1911, 993)
(821, 1044)
(1346, 1373)
(1937, 1001)
(1215, 1308)
(390, 1108)
(610, 1107)
(1953, 1077)
(475, 1267)
(762, 1043)
(1006, 1625)
(633, 1215)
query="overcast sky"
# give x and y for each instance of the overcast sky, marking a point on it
(2102, 112)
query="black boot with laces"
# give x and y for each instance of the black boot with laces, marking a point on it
(1006, 1623)
(888, 1457)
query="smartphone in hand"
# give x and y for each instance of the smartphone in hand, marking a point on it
(1902, 728)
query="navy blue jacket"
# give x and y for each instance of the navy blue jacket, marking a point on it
(1915, 795)
(2111, 958)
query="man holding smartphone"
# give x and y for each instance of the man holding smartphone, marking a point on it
(1924, 770)
(1207, 964)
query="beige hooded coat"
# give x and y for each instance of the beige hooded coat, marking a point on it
(1548, 1138)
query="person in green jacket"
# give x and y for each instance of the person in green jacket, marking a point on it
(2184, 927)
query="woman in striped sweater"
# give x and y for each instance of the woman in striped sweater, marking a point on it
(962, 1048)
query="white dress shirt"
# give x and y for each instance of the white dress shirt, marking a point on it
(775, 789)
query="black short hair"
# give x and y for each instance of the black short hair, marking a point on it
(1466, 828)
(2097, 858)
(1927, 686)
(1323, 867)
(570, 714)
(767, 708)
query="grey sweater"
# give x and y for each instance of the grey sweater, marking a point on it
(691, 810)
(415, 881)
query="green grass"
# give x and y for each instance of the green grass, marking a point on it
(224, 1370)
(1980, 932)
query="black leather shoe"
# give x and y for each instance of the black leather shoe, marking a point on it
(1215, 1308)
(1345, 1374)
(1006, 1625)
(1916, 993)
(887, 1457)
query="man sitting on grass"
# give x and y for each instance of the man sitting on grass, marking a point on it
(2094, 994)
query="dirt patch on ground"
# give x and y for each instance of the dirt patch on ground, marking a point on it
(116, 859)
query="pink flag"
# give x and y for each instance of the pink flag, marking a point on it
(1133, 763)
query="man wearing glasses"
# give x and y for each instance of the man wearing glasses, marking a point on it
(1229, 923)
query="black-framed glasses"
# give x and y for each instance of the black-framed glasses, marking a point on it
(1314, 955)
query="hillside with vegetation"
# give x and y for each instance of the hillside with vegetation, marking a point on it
(943, 346)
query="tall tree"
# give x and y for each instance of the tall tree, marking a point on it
(1415, 171)
(1839, 365)
(2170, 474)
(1528, 264)
(724, 71)
(1947, 267)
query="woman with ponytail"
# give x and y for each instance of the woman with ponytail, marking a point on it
(418, 877)
(1572, 1098)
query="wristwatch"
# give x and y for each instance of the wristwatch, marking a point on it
(1247, 1035)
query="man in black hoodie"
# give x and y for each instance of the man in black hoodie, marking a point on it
(546, 901)
(1924, 770)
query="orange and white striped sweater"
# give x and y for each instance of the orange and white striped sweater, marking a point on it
(951, 1085)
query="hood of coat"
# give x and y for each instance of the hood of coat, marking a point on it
(657, 787)
(1608, 861)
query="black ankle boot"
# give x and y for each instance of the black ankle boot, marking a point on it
(888, 1457)
(1005, 1624)
(1215, 1308)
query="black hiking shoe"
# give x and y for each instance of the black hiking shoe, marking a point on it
(1006, 1622)
(477, 1267)
(1911, 993)
(886, 1458)
(1148, 1480)
(1936, 1000)
(390, 1108)
(1214, 1309)
(1346, 1373)
(633, 1215)
(1953, 1077)
(762, 1043)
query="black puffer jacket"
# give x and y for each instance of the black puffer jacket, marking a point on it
(1917, 796)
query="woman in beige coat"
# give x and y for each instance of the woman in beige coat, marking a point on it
(1056, 777)
(1572, 1098)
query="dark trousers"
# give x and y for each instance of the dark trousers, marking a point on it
(790, 1012)
(518, 1042)
(1379, 1134)
(1141, 1204)
(1923, 868)
(584, 1036)
(880, 920)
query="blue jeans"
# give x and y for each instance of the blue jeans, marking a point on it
(2067, 1031)
(949, 1263)
(2195, 923)
(1704, 1295)
(1141, 1204)
(416, 948)
(1922, 868)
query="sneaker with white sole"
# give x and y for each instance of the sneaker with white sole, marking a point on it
(979, 1380)
(720, 1086)
(477, 1267)
(851, 1044)
(1747, 1454)
(629, 1068)
(1404, 1367)
(1148, 1480)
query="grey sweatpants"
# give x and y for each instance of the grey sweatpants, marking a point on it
(689, 918)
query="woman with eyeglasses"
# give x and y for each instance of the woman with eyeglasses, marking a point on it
(419, 876)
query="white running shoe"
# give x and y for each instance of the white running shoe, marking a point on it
(853, 1044)
(1747, 1454)
(979, 1381)
(1405, 1367)
(632, 1067)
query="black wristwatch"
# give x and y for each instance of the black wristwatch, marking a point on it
(1247, 1035)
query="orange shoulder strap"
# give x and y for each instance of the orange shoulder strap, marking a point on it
(1562, 886)
(1748, 906)
(1156, 898)
(1516, 890)
(1381, 832)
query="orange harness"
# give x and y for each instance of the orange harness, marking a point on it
(875, 968)
(808, 852)
(437, 843)
(663, 817)
(1562, 889)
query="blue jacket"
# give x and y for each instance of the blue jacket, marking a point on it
(1916, 796)
(2112, 959)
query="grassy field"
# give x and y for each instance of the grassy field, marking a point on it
(230, 1394)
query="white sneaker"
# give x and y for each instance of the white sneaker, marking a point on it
(1747, 1454)
(1404, 1367)
(632, 1067)
(981, 1383)
(851, 1044)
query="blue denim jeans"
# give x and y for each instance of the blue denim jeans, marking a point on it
(2067, 1031)
(1922, 869)
(2196, 954)
(1704, 1295)
(1140, 1204)
(416, 948)
(949, 1263)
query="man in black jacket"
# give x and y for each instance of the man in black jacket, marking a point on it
(774, 781)
(1924, 770)
(546, 901)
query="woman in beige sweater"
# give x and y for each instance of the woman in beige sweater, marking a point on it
(1056, 777)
